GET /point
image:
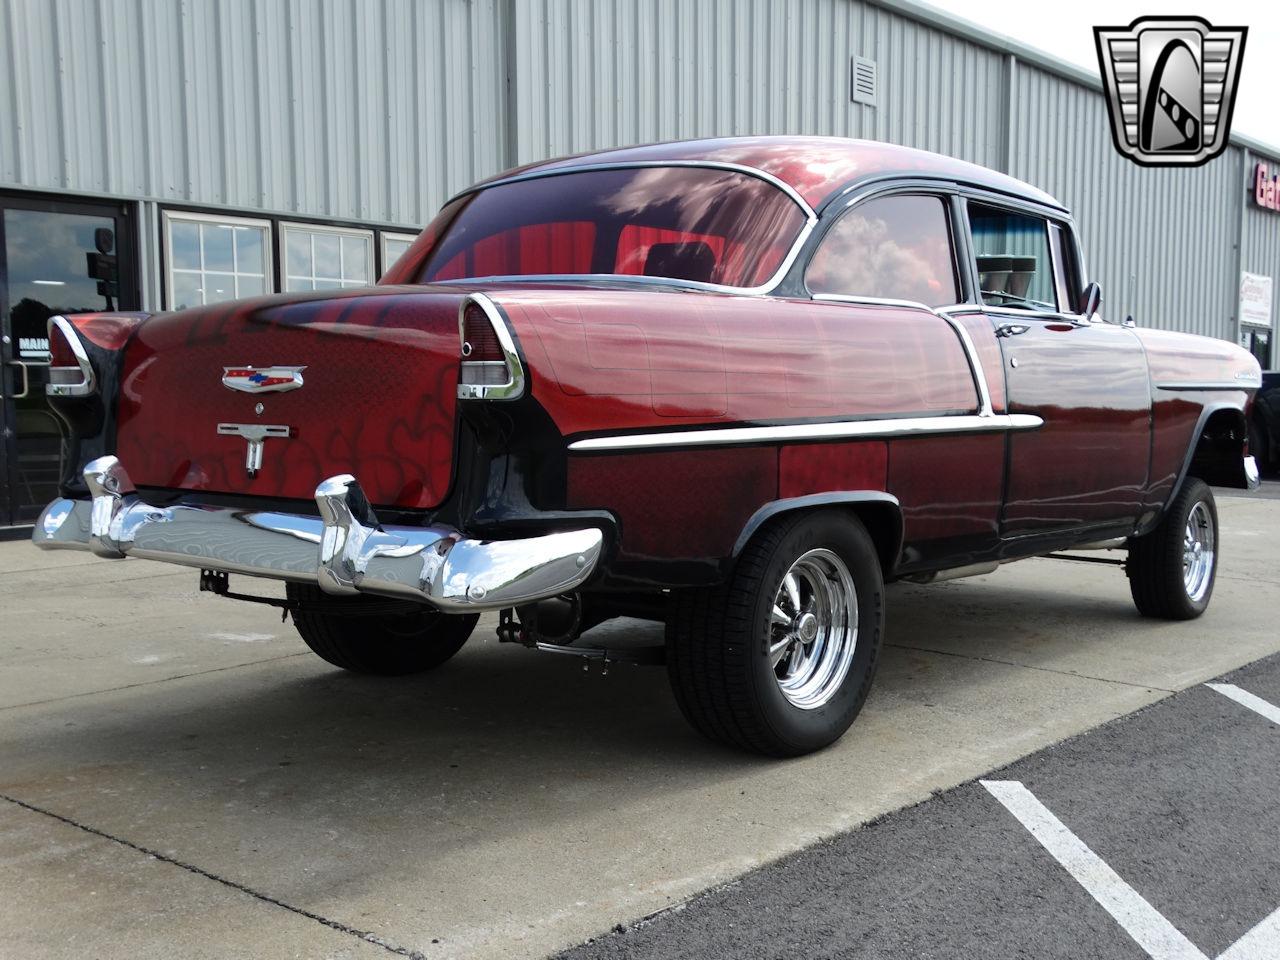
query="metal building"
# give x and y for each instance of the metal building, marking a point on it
(155, 153)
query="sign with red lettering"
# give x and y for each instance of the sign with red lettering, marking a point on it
(1266, 187)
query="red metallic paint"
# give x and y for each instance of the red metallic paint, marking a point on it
(378, 396)
(110, 331)
(810, 468)
(701, 358)
(949, 488)
(684, 504)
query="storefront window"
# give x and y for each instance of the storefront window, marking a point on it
(212, 259)
(326, 258)
(393, 245)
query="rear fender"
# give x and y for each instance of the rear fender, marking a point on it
(879, 512)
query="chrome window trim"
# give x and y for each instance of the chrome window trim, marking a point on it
(966, 342)
(87, 385)
(513, 389)
(917, 188)
(794, 432)
(811, 218)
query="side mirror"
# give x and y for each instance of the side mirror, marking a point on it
(1092, 302)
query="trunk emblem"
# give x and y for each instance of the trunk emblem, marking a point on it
(256, 434)
(250, 379)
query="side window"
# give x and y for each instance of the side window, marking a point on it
(893, 248)
(1015, 267)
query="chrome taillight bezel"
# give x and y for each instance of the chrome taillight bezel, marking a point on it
(88, 382)
(513, 384)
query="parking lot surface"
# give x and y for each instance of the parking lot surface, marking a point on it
(180, 774)
(1178, 800)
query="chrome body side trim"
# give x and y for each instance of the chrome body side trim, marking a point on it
(966, 342)
(345, 550)
(832, 430)
(1210, 385)
(514, 387)
(810, 216)
(89, 382)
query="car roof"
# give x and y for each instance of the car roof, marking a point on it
(816, 168)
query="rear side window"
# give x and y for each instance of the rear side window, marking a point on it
(892, 248)
(1015, 268)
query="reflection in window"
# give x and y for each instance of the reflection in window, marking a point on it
(326, 258)
(1012, 252)
(894, 248)
(212, 259)
(684, 223)
(393, 247)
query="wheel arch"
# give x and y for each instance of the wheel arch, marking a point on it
(1216, 454)
(879, 512)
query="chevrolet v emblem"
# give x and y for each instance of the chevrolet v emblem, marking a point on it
(256, 434)
(250, 379)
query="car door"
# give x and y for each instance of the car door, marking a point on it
(1087, 379)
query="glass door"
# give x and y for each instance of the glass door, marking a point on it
(56, 257)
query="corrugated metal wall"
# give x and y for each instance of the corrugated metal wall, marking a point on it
(354, 109)
(600, 73)
(1161, 241)
(377, 110)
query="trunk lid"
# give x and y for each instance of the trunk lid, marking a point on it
(377, 395)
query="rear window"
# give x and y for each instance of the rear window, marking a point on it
(682, 223)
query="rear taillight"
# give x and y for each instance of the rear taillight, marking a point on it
(70, 373)
(490, 367)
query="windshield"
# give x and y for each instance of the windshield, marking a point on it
(683, 223)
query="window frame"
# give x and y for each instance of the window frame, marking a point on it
(932, 190)
(168, 216)
(367, 233)
(384, 263)
(1046, 223)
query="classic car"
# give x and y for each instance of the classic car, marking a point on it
(735, 386)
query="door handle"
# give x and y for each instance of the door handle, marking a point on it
(26, 380)
(1011, 329)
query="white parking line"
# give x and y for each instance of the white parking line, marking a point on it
(1149, 928)
(1247, 699)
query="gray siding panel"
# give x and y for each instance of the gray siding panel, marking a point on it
(1160, 241)
(369, 110)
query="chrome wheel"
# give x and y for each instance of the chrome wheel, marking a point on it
(1197, 553)
(813, 629)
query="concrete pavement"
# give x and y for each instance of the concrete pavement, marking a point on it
(509, 804)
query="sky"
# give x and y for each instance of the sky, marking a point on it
(1066, 31)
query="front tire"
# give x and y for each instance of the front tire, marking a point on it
(388, 645)
(1172, 569)
(779, 660)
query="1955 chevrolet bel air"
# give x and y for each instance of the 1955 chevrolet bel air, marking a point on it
(734, 385)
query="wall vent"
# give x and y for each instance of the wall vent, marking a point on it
(865, 81)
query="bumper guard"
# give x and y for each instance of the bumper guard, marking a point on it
(345, 550)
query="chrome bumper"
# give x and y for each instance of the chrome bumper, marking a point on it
(345, 550)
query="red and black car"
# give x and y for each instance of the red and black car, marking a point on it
(732, 385)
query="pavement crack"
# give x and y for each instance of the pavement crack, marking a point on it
(150, 683)
(338, 925)
(1027, 666)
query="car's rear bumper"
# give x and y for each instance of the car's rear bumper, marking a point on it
(345, 550)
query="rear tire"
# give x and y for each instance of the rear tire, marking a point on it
(779, 660)
(384, 644)
(1172, 569)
